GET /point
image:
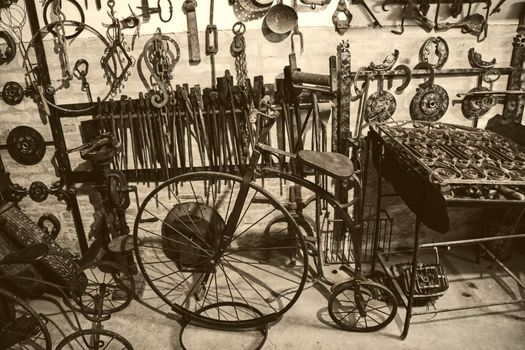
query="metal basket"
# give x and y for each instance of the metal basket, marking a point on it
(431, 280)
(338, 245)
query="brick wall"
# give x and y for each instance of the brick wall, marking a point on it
(264, 58)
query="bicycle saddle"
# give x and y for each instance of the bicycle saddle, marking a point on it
(336, 165)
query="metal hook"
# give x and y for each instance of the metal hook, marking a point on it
(432, 74)
(364, 87)
(399, 32)
(407, 78)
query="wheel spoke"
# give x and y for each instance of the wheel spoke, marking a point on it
(173, 228)
(272, 273)
(251, 286)
(252, 225)
(189, 216)
(236, 283)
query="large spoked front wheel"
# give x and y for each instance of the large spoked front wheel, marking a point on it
(177, 240)
(363, 306)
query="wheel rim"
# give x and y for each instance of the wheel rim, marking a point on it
(177, 253)
(102, 288)
(378, 307)
(90, 339)
(24, 329)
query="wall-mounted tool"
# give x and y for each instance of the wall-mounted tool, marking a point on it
(26, 145)
(59, 15)
(80, 71)
(238, 51)
(475, 104)
(147, 11)
(476, 60)
(211, 44)
(160, 54)
(411, 12)
(381, 105)
(9, 53)
(281, 18)
(342, 17)
(376, 22)
(314, 3)
(116, 61)
(430, 101)
(189, 7)
(407, 78)
(13, 93)
(440, 49)
(474, 24)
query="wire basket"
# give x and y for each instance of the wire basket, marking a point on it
(338, 245)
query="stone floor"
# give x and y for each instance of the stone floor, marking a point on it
(308, 326)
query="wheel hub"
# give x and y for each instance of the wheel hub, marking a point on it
(191, 232)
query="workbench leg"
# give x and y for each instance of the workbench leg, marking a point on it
(412, 279)
(379, 197)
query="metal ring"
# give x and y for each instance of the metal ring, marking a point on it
(186, 322)
(239, 28)
(10, 52)
(78, 30)
(486, 75)
(41, 33)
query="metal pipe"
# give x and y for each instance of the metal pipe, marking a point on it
(477, 306)
(502, 265)
(469, 241)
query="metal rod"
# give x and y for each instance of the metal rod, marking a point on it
(459, 308)
(55, 124)
(502, 265)
(469, 241)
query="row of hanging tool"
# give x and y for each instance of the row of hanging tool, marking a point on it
(211, 129)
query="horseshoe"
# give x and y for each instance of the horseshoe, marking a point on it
(432, 74)
(407, 77)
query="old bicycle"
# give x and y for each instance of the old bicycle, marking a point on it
(223, 251)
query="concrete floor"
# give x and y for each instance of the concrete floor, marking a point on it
(308, 326)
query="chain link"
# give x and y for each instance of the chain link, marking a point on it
(238, 51)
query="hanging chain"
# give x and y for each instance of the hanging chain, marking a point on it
(60, 35)
(238, 50)
(160, 61)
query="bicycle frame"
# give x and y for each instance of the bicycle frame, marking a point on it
(248, 176)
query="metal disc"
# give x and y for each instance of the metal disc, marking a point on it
(429, 104)
(12, 93)
(380, 106)
(281, 18)
(26, 145)
(473, 107)
(38, 191)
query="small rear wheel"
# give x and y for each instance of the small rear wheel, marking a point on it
(362, 306)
